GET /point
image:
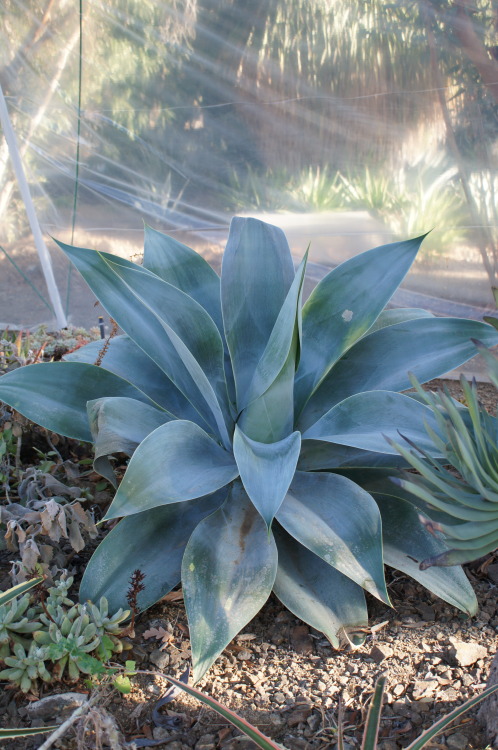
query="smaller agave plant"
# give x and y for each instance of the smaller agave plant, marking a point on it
(461, 506)
(256, 428)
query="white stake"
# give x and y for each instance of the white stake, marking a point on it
(30, 210)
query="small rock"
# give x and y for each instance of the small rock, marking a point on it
(244, 655)
(160, 659)
(160, 733)
(56, 705)
(381, 652)
(424, 688)
(457, 741)
(301, 639)
(398, 689)
(465, 654)
(298, 716)
(493, 572)
(279, 698)
(206, 742)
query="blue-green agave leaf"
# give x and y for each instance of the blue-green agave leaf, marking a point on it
(152, 542)
(143, 325)
(407, 543)
(317, 593)
(368, 420)
(266, 470)
(257, 274)
(343, 307)
(193, 335)
(119, 425)
(176, 462)
(397, 315)
(228, 571)
(269, 414)
(339, 522)
(124, 358)
(426, 347)
(281, 343)
(62, 390)
(317, 455)
(182, 267)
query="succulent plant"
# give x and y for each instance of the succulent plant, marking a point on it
(463, 506)
(25, 667)
(255, 427)
(78, 637)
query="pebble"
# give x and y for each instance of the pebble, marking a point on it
(381, 652)
(457, 741)
(160, 659)
(466, 654)
(56, 705)
(160, 733)
(206, 742)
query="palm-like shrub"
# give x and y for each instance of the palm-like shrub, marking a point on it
(255, 427)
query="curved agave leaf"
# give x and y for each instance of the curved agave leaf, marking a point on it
(257, 274)
(339, 522)
(119, 425)
(269, 414)
(153, 543)
(368, 420)
(317, 593)
(142, 324)
(397, 315)
(124, 358)
(266, 470)
(72, 384)
(228, 571)
(342, 308)
(427, 347)
(176, 462)
(192, 333)
(317, 455)
(182, 267)
(407, 541)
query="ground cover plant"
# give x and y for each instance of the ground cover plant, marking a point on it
(256, 429)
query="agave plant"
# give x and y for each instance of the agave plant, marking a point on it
(254, 425)
(462, 507)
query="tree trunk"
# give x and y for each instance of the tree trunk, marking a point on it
(488, 713)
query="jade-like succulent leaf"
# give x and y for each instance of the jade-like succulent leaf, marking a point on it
(344, 305)
(153, 543)
(182, 267)
(368, 420)
(62, 390)
(339, 522)
(228, 571)
(383, 359)
(266, 470)
(407, 543)
(119, 425)
(317, 593)
(257, 274)
(176, 462)
(124, 358)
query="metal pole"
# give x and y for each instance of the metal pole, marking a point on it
(30, 210)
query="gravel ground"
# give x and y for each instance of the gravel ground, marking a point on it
(285, 677)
